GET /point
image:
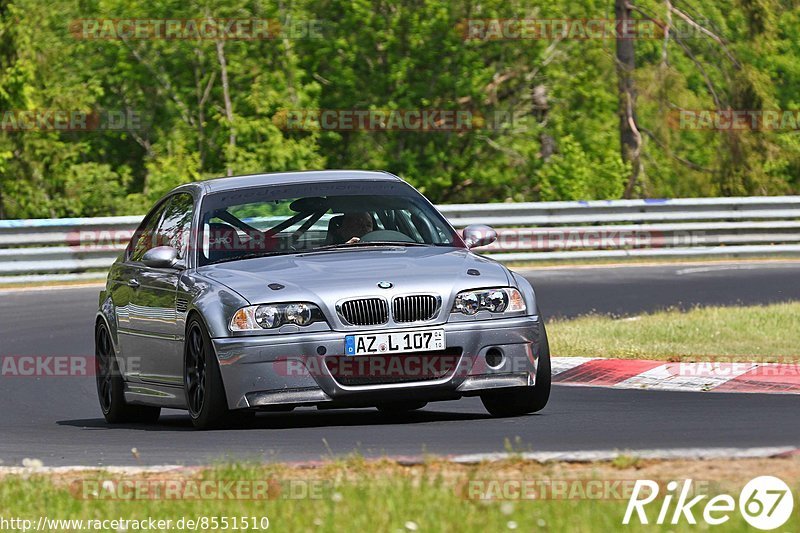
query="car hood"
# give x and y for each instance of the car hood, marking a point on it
(327, 277)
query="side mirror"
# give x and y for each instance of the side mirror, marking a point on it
(161, 257)
(478, 235)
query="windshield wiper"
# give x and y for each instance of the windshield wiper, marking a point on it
(345, 246)
(252, 255)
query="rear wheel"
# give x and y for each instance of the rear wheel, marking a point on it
(205, 392)
(523, 400)
(111, 386)
(396, 408)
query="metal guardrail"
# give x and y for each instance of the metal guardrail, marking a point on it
(81, 248)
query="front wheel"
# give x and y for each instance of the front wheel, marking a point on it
(523, 400)
(205, 392)
(111, 386)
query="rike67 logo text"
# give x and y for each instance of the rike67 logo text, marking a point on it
(765, 503)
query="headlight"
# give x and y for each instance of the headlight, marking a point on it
(270, 316)
(500, 300)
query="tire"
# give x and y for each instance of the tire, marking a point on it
(111, 386)
(520, 401)
(202, 380)
(396, 408)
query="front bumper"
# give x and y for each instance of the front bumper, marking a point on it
(275, 370)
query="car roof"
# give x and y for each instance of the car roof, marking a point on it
(284, 178)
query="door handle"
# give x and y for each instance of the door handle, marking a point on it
(133, 283)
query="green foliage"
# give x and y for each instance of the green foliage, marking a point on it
(574, 173)
(543, 126)
(94, 189)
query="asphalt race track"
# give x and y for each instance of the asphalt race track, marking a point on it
(57, 420)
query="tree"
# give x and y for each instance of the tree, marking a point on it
(630, 138)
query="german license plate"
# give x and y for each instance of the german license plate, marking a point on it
(421, 340)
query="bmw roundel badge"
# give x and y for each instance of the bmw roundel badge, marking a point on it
(385, 285)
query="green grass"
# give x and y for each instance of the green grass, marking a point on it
(355, 497)
(764, 333)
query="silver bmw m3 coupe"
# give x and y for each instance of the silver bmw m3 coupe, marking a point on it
(329, 288)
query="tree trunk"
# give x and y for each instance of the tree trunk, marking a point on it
(629, 136)
(223, 70)
(541, 107)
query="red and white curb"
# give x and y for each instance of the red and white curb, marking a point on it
(775, 378)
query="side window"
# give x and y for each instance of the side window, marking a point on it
(145, 236)
(176, 225)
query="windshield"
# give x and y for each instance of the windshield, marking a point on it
(311, 217)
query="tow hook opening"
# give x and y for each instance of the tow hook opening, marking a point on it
(494, 357)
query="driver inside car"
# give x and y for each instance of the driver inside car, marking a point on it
(353, 226)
